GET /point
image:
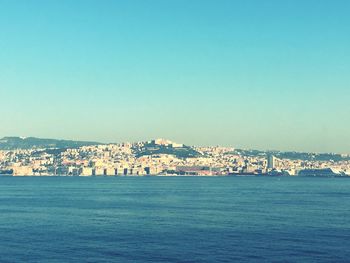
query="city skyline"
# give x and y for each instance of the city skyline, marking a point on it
(252, 74)
(158, 157)
(96, 142)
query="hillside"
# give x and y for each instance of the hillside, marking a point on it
(10, 143)
(152, 148)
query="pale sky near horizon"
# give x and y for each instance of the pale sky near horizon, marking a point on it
(254, 74)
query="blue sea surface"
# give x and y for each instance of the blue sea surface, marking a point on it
(174, 219)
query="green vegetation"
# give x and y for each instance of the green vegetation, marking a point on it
(180, 152)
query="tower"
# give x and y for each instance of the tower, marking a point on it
(271, 162)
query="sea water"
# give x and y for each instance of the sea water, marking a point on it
(174, 219)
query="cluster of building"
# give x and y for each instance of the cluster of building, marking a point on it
(123, 159)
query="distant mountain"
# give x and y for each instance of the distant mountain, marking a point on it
(10, 143)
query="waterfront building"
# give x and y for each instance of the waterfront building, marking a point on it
(22, 171)
(98, 171)
(110, 171)
(86, 171)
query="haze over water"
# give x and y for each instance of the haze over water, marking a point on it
(174, 219)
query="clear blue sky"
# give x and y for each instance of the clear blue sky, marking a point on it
(256, 74)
